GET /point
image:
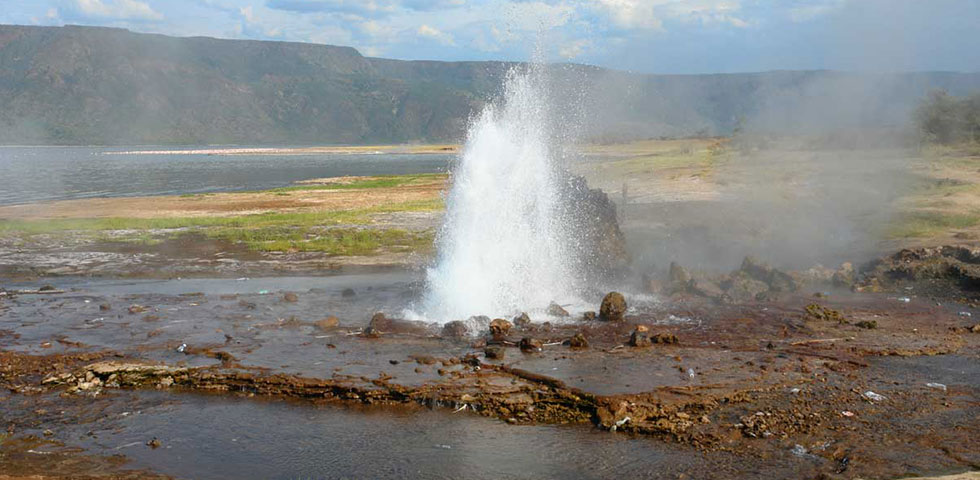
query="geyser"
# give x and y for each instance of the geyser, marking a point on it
(503, 246)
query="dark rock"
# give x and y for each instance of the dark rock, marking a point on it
(578, 341)
(640, 339)
(820, 312)
(455, 329)
(599, 247)
(348, 293)
(530, 345)
(742, 287)
(46, 288)
(245, 304)
(664, 339)
(290, 297)
(588, 316)
(328, 323)
(556, 310)
(500, 327)
(679, 279)
(494, 352)
(522, 320)
(775, 280)
(105, 307)
(868, 324)
(371, 332)
(843, 276)
(613, 308)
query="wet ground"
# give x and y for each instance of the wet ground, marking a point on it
(243, 378)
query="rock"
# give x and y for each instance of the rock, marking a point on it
(328, 323)
(820, 312)
(588, 316)
(522, 320)
(494, 352)
(479, 320)
(290, 297)
(774, 279)
(47, 288)
(455, 329)
(348, 293)
(378, 319)
(154, 443)
(639, 339)
(843, 276)
(742, 287)
(500, 327)
(664, 339)
(599, 247)
(975, 328)
(678, 275)
(371, 332)
(707, 289)
(867, 324)
(578, 341)
(613, 308)
(134, 309)
(530, 345)
(556, 310)
(105, 307)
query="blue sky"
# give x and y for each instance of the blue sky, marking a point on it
(659, 36)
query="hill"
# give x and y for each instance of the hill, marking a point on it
(93, 85)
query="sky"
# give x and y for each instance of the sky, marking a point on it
(652, 36)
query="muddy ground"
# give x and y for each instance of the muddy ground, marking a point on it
(809, 382)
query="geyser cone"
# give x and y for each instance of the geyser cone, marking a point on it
(503, 247)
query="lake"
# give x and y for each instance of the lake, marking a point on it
(38, 174)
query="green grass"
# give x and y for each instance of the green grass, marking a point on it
(925, 224)
(298, 219)
(385, 181)
(333, 232)
(334, 241)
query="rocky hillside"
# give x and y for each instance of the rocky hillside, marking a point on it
(87, 85)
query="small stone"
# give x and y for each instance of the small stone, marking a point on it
(134, 309)
(639, 339)
(578, 341)
(556, 310)
(154, 443)
(530, 345)
(664, 338)
(348, 293)
(494, 352)
(371, 332)
(500, 327)
(327, 323)
(105, 307)
(867, 324)
(48, 433)
(290, 297)
(613, 308)
(522, 320)
(588, 316)
(455, 329)
(975, 328)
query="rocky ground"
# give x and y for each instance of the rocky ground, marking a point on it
(876, 380)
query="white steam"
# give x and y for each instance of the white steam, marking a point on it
(502, 247)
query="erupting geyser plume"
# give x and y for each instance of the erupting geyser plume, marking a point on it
(502, 247)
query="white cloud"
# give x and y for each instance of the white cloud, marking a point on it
(117, 9)
(574, 49)
(633, 14)
(436, 34)
(803, 13)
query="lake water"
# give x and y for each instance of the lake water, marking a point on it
(37, 174)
